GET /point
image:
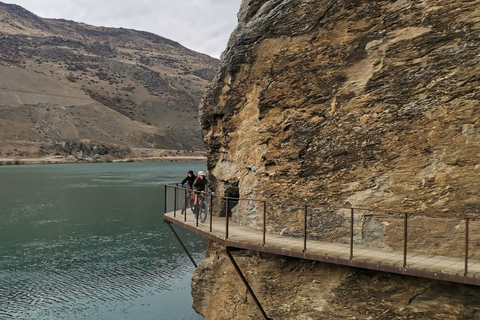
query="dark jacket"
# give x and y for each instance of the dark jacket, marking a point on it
(190, 181)
(200, 184)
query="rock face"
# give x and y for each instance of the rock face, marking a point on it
(373, 104)
(301, 289)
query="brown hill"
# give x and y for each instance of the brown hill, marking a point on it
(66, 81)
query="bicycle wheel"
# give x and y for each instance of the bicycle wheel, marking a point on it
(203, 211)
(187, 203)
(191, 202)
(184, 207)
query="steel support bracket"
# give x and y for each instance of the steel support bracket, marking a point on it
(245, 281)
(181, 243)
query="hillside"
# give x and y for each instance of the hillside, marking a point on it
(64, 81)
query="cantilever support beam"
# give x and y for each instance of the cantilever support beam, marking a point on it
(181, 243)
(227, 250)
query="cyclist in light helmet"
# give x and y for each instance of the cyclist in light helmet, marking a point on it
(201, 182)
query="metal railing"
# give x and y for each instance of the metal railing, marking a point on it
(359, 228)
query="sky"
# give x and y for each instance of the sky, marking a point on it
(201, 25)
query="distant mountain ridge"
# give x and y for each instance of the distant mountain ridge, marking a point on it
(63, 80)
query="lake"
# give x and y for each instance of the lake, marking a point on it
(87, 241)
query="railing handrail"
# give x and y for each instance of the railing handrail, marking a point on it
(314, 206)
(352, 242)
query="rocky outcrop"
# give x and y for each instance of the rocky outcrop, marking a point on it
(300, 289)
(82, 150)
(371, 104)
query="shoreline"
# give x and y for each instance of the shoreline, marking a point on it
(63, 160)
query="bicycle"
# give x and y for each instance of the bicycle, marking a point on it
(201, 206)
(190, 199)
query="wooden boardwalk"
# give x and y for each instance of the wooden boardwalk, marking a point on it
(417, 264)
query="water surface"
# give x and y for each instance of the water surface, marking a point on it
(87, 241)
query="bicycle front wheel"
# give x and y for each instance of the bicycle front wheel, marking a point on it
(191, 203)
(203, 211)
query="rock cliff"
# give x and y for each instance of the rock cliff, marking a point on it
(301, 289)
(373, 104)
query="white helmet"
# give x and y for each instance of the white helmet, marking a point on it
(201, 173)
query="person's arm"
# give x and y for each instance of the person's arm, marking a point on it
(195, 183)
(185, 180)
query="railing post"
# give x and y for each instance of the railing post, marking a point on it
(226, 215)
(185, 215)
(466, 246)
(165, 200)
(264, 221)
(305, 230)
(175, 200)
(184, 202)
(351, 232)
(405, 234)
(211, 211)
(197, 209)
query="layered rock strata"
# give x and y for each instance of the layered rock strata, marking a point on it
(374, 103)
(300, 289)
(371, 104)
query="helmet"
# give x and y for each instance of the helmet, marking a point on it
(201, 173)
(190, 172)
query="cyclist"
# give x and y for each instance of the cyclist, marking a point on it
(190, 179)
(200, 182)
(199, 186)
(188, 184)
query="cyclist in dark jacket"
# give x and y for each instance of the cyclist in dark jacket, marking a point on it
(190, 179)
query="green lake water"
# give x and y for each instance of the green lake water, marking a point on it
(87, 241)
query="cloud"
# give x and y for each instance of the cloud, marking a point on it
(200, 25)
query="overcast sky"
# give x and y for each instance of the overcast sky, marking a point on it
(200, 25)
